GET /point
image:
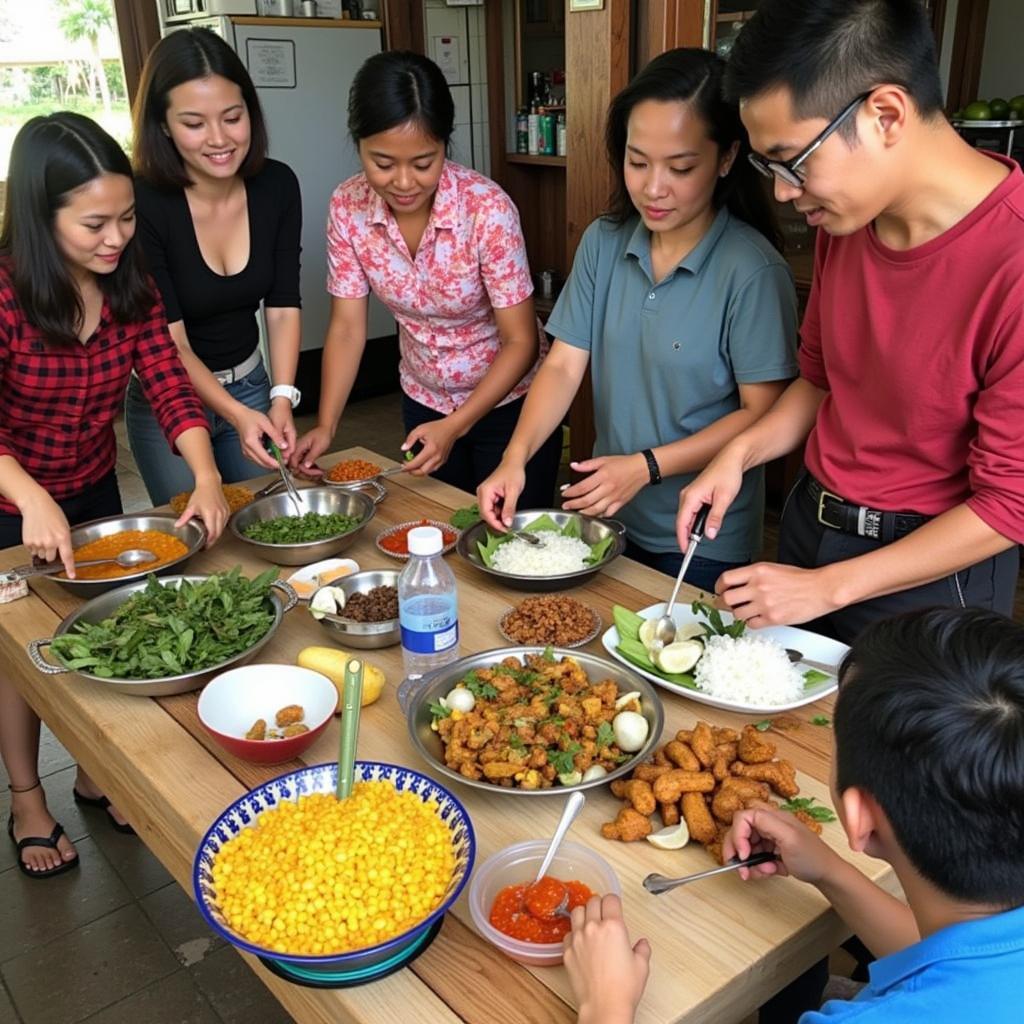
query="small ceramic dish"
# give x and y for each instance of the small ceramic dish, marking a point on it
(310, 578)
(391, 531)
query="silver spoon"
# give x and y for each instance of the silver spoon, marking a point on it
(530, 538)
(797, 657)
(127, 560)
(573, 806)
(665, 627)
(657, 884)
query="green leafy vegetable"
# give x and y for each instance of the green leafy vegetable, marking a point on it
(409, 456)
(808, 804)
(301, 529)
(764, 725)
(821, 720)
(605, 735)
(812, 677)
(515, 741)
(167, 630)
(627, 623)
(715, 625)
(545, 522)
(636, 654)
(438, 710)
(541, 523)
(552, 720)
(549, 654)
(476, 686)
(464, 518)
(563, 759)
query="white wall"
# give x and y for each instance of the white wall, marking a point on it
(466, 26)
(1002, 66)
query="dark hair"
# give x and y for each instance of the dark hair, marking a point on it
(828, 52)
(396, 87)
(183, 56)
(50, 158)
(930, 722)
(692, 76)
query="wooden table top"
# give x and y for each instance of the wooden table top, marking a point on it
(720, 947)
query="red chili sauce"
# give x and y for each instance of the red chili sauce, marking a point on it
(530, 921)
(398, 543)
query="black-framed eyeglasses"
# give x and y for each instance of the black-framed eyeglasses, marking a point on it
(788, 170)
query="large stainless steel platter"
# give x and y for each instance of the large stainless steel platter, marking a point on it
(592, 530)
(105, 605)
(325, 500)
(437, 684)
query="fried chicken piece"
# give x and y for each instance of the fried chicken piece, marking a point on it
(296, 729)
(702, 743)
(495, 770)
(650, 772)
(814, 826)
(682, 756)
(629, 826)
(698, 818)
(754, 748)
(290, 715)
(618, 788)
(746, 789)
(661, 758)
(669, 787)
(636, 792)
(669, 814)
(684, 735)
(258, 730)
(725, 735)
(780, 775)
(725, 804)
(730, 750)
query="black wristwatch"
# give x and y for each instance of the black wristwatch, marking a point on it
(652, 466)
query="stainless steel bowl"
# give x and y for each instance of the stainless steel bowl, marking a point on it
(437, 684)
(324, 500)
(592, 530)
(364, 635)
(100, 608)
(192, 535)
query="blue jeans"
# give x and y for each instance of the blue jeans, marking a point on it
(166, 473)
(702, 572)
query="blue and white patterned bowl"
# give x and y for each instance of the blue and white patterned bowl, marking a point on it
(322, 778)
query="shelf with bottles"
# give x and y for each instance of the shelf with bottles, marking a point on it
(538, 160)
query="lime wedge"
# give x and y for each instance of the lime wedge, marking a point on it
(675, 837)
(680, 656)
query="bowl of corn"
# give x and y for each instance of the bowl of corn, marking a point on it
(290, 873)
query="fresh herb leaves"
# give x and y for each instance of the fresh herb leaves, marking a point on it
(809, 805)
(715, 625)
(476, 686)
(764, 725)
(464, 518)
(439, 710)
(605, 735)
(167, 630)
(563, 759)
(812, 677)
(821, 720)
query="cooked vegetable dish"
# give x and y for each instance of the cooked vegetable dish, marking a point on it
(532, 725)
(301, 529)
(165, 546)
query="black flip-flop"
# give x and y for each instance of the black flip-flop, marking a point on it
(51, 843)
(103, 803)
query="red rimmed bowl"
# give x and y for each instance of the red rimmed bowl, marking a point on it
(232, 702)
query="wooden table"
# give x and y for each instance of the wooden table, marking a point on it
(720, 947)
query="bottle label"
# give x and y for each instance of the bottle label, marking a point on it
(429, 625)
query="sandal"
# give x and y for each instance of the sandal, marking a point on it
(51, 843)
(103, 803)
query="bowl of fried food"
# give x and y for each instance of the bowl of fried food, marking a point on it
(173, 546)
(236, 495)
(267, 713)
(698, 781)
(326, 523)
(389, 860)
(550, 619)
(534, 721)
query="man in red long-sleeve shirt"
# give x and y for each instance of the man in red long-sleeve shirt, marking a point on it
(911, 387)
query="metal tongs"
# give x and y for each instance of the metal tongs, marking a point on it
(288, 485)
(657, 884)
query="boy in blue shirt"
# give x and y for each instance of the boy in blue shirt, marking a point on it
(928, 775)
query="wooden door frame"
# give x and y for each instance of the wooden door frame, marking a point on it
(138, 30)
(968, 49)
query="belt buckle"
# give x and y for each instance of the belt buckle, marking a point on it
(224, 377)
(821, 509)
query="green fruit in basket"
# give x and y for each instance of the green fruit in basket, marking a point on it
(1017, 106)
(979, 110)
(1000, 108)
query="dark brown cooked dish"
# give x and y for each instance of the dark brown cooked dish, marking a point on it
(377, 605)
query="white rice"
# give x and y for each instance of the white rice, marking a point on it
(557, 555)
(748, 670)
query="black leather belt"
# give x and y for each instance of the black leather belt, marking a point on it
(839, 514)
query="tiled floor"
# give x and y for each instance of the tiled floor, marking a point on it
(117, 941)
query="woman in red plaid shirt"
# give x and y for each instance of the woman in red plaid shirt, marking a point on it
(77, 316)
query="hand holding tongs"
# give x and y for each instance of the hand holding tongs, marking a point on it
(289, 486)
(657, 884)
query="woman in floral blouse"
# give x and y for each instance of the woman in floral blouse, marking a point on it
(441, 247)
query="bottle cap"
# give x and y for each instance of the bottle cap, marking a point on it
(425, 540)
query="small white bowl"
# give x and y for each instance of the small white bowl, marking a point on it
(305, 580)
(233, 701)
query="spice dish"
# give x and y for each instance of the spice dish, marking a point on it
(394, 541)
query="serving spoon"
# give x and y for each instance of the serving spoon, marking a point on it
(573, 806)
(127, 560)
(665, 627)
(657, 884)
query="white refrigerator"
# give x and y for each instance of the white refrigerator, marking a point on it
(302, 75)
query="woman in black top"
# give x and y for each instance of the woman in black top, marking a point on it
(220, 224)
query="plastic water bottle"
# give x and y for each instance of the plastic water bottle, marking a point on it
(427, 608)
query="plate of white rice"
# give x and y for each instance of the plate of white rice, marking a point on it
(552, 557)
(752, 673)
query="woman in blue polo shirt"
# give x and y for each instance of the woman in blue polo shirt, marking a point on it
(685, 312)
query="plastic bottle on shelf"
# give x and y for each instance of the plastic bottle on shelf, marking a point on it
(428, 610)
(523, 131)
(533, 132)
(547, 134)
(561, 136)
